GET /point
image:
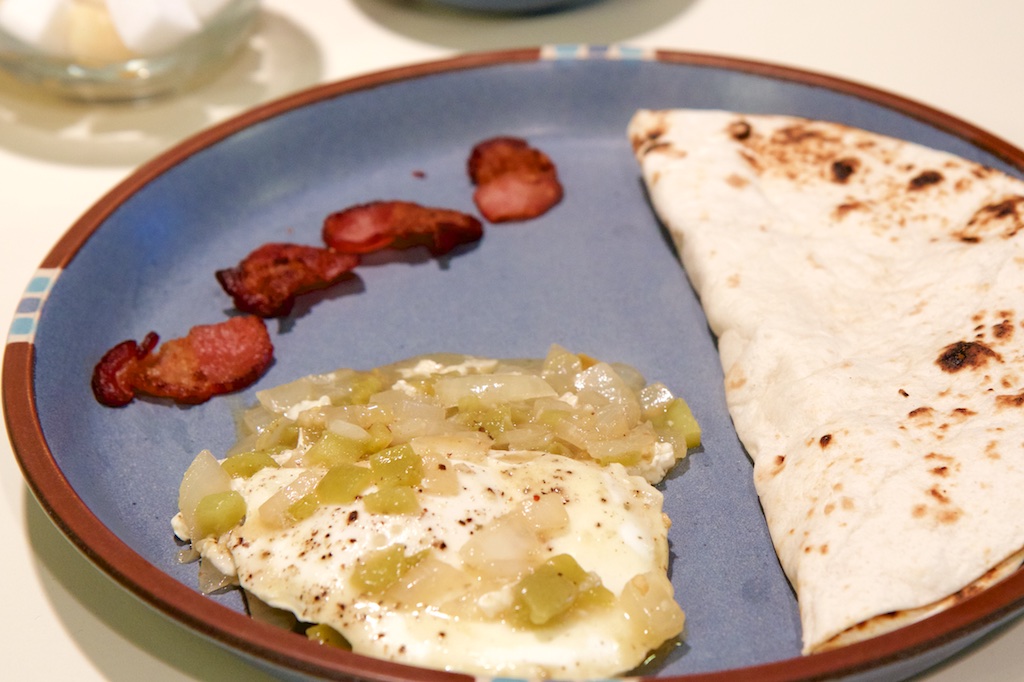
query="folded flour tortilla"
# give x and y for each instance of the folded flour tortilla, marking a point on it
(868, 298)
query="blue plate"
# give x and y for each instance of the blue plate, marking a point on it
(596, 274)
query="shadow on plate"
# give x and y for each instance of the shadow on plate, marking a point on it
(601, 22)
(278, 59)
(123, 639)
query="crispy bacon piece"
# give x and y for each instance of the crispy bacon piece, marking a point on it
(212, 359)
(398, 225)
(267, 281)
(514, 181)
(113, 377)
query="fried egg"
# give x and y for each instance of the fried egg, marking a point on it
(508, 512)
(454, 549)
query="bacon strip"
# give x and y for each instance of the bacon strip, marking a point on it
(267, 281)
(514, 180)
(212, 359)
(398, 225)
(113, 377)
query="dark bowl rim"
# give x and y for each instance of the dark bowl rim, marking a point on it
(260, 642)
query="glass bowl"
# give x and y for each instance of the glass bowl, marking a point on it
(513, 6)
(78, 49)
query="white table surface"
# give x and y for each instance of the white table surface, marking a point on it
(62, 618)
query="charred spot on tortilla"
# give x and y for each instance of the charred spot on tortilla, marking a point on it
(842, 169)
(739, 130)
(924, 179)
(939, 495)
(963, 185)
(825, 440)
(965, 355)
(751, 160)
(1005, 215)
(940, 457)
(664, 148)
(647, 142)
(797, 134)
(847, 207)
(1002, 209)
(737, 181)
(949, 515)
(1010, 400)
(1003, 330)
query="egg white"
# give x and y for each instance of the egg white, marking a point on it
(616, 530)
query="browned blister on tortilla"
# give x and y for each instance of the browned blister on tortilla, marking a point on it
(210, 360)
(267, 281)
(377, 225)
(514, 181)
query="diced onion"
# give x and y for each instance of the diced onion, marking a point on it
(504, 549)
(655, 397)
(601, 380)
(274, 512)
(262, 611)
(258, 418)
(492, 389)
(649, 608)
(280, 399)
(211, 579)
(526, 437)
(406, 430)
(203, 477)
(429, 583)
(614, 420)
(347, 429)
(547, 515)
(468, 445)
(627, 450)
(560, 368)
(439, 475)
